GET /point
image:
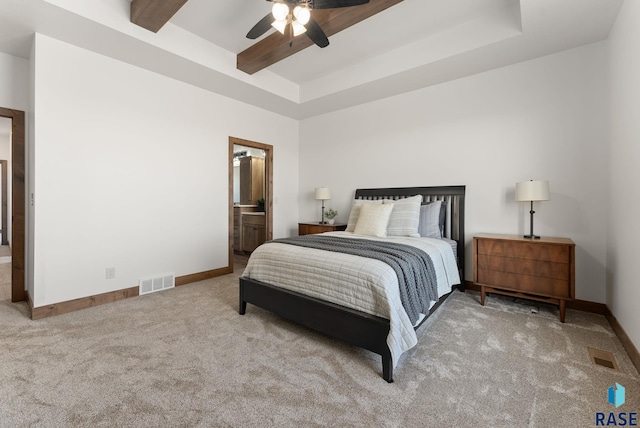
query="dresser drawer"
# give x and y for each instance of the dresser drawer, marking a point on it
(523, 250)
(525, 283)
(529, 267)
(253, 220)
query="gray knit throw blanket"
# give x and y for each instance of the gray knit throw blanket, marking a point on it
(414, 267)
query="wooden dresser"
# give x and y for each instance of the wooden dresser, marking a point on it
(313, 228)
(537, 269)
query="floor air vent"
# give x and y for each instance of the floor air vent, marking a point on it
(157, 283)
(603, 358)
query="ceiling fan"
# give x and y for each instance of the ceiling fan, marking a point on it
(295, 15)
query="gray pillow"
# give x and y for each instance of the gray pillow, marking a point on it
(432, 219)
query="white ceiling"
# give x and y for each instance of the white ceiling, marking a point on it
(411, 45)
(225, 22)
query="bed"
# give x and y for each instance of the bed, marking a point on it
(299, 283)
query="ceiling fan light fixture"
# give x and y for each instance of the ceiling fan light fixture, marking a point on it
(280, 25)
(302, 14)
(298, 28)
(280, 11)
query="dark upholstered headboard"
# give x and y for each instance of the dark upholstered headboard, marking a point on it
(453, 197)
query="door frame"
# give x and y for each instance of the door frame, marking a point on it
(268, 188)
(18, 208)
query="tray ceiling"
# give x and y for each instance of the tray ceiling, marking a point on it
(411, 45)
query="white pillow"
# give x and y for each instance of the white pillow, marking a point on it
(405, 216)
(373, 220)
(355, 212)
(430, 220)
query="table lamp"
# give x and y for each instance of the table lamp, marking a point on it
(323, 194)
(531, 191)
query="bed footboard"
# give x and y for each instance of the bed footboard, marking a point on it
(342, 323)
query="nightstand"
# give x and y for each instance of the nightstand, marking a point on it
(536, 269)
(312, 228)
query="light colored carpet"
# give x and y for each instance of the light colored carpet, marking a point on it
(5, 251)
(185, 357)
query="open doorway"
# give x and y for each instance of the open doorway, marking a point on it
(5, 249)
(14, 232)
(250, 206)
(4, 185)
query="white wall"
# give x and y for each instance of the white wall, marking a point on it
(623, 293)
(14, 82)
(131, 172)
(542, 119)
(30, 177)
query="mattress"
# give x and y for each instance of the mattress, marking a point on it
(367, 285)
(454, 246)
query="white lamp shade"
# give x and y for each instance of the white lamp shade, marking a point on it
(532, 190)
(280, 11)
(298, 28)
(323, 193)
(302, 14)
(279, 25)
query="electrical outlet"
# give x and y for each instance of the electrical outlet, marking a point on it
(110, 273)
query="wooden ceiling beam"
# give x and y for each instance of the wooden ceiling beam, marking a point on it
(275, 47)
(153, 14)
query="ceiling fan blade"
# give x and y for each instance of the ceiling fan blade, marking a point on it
(316, 34)
(261, 27)
(333, 4)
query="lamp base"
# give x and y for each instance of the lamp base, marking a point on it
(531, 237)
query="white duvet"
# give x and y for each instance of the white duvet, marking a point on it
(356, 282)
